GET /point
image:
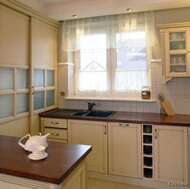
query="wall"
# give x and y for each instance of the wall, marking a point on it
(177, 91)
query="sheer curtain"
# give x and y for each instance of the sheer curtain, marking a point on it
(106, 78)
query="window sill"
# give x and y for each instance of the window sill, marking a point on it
(137, 99)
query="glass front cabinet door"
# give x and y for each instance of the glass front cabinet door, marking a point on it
(175, 51)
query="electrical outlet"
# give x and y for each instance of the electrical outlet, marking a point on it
(62, 93)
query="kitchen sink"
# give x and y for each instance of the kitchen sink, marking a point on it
(83, 113)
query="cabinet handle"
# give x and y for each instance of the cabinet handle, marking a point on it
(156, 134)
(32, 90)
(123, 125)
(55, 134)
(105, 130)
(54, 123)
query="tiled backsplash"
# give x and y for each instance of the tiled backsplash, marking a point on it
(176, 91)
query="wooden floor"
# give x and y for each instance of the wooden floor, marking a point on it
(102, 184)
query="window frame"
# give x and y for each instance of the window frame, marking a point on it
(111, 67)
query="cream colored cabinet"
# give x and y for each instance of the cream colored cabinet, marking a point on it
(28, 68)
(175, 49)
(56, 127)
(171, 154)
(44, 73)
(91, 133)
(189, 152)
(124, 148)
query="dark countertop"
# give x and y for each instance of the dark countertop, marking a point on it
(62, 159)
(132, 117)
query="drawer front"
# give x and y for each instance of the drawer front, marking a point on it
(57, 123)
(56, 133)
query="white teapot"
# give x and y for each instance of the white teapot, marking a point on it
(33, 141)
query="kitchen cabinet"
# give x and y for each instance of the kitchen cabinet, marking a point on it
(91, 133)
(189, 152)
(124, 149)
(175, 50)
(171, 154)
(56, 127)
(28, 71)
(43, 72)
(14, 71)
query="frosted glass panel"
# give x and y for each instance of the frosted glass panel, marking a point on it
(6, 79)
(22, 103)
(50, 78)
(6, 104)
(50, 98)
(38, 100)
(38, 78)
(22, 79)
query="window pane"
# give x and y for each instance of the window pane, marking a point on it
(22, 103)
(92, 73)
(50, 78)
(50, 98)
(38, 100)
(131, 51)
(22, 78)
(6, 101)
(6, 79)
(93, 53)
(38, 78)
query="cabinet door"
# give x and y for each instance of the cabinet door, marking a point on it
(171, 153)
(91, 133)
(124, 149)
(43, 72)
(176, 41)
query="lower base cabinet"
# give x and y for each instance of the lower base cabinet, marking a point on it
(91, 133)
(124, 149)
(171, 154)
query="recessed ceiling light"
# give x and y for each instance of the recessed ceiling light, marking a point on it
(129, 9)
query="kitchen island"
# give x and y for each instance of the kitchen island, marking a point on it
(64, 166)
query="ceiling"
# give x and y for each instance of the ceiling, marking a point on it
(65, 9)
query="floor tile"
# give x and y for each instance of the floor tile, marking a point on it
(129, 186)
(101, 184)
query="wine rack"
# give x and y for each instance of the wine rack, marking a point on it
(147, 157)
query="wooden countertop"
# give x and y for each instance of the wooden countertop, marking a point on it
(133, 117)
(62, 159)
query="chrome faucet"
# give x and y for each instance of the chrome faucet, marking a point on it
(90, 105)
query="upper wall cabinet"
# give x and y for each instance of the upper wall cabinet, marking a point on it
(44, 44)
(14, 37)
(175, 50)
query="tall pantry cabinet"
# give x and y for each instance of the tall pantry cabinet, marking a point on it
(28, 48)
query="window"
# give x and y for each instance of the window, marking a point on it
(92, 69)
(111, 53)
(131, 71)
(129, 66)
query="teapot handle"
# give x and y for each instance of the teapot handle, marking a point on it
(19, 142)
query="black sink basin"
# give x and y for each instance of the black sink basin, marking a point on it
(99, 114)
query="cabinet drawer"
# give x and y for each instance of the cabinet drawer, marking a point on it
(58, 123)
(56, 133)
